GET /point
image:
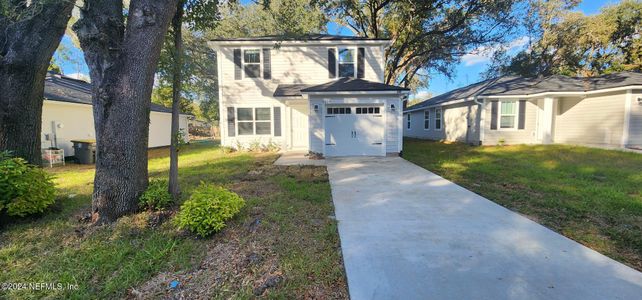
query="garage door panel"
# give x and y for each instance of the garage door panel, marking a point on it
(352, 134)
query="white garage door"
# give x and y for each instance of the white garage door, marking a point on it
(354, 130)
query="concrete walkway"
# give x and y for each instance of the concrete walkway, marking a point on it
(407, 233)
(297, 158)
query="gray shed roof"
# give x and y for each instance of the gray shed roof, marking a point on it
(307, 37)
(353, 85)
(66, 89)
(516, 85)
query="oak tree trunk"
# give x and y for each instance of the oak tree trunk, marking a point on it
(26, 47)
(122, 60)
(177, 23)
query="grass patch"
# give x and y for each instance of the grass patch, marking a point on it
(593, 196)
(282, 244)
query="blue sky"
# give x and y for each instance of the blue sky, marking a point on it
(466, 72)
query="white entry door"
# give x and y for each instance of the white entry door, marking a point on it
(299, 131)
(353, 131)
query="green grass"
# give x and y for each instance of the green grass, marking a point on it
(295, 234)
(593, 196)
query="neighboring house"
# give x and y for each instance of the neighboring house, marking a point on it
(603, 111)
(67, 115)
(322, 93)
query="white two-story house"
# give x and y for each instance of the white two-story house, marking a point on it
(322, 93)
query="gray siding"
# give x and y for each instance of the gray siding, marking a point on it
(635, 121)
(594, 120)
(512, 136)
(455, 121)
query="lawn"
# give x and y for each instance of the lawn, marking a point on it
(284, 243)
(592, 196)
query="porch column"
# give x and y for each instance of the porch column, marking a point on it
(547, 120)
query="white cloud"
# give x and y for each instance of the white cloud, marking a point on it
(80, 76)
(421, 95)
(483, 54)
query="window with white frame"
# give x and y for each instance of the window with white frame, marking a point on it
(408, 121)
(347, 62)
(426, 119)
(438, 119)
(254, 121)
(252, 63)
(508, 114)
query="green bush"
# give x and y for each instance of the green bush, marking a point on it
(24, 189)
(207, 209)
(156, 197)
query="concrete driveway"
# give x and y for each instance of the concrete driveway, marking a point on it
(407, 233)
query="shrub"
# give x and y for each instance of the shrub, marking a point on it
(207, 209)
(156, 197)
(24, 189)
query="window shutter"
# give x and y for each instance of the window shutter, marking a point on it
(493, 115)
(267, 64)
(277, 121)
(231, 124)
(361, 53)
(522, 114)
(237, 64)
(332, 63)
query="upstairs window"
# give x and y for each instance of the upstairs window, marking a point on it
(252, 63)
(508, 114)
(346, 61)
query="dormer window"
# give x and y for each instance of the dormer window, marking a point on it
(252, 63)
(346, 61)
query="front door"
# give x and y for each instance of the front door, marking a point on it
(354, 131)
(299, 126)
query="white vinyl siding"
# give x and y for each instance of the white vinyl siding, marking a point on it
(594, 120)
(635, 121)
(289, 64)
(525, 136)
(454, 124)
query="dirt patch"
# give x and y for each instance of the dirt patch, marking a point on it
(243, 261)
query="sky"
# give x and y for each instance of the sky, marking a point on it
(466, 72)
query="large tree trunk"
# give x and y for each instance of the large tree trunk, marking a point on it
(26, 47)
(122, 62)
(177, 24)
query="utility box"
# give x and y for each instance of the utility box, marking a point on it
(85, 151)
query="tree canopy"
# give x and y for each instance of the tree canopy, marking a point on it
(570, 43)
(427, 36)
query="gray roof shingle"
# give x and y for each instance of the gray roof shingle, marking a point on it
(516, 85)
(353, 85)
(290, 90)
(66, 89)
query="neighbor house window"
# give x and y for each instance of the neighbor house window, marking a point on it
(426, 119)
(408, 121)
(508, 114)
(438, 119)
(252, 63)
(346, 62)
(254, 121)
